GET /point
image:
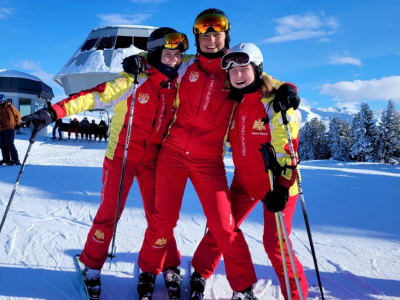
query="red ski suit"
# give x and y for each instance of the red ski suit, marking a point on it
(194, 149)
(153, 112)
(248, 131)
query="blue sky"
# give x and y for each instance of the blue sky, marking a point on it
(338, 53)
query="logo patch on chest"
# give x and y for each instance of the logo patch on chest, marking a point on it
(194, 76)
(143, 98)
(259, 127)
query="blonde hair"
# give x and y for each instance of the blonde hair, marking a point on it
(268, 86)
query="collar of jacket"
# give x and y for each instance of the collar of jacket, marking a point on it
(252, 97)
(157, 78)
(211, 65)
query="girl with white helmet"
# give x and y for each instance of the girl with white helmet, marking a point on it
(256, 121)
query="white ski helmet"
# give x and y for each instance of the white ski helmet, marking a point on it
(241, 55)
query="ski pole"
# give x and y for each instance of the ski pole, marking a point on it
(278, 227)
(121, 183)
(31, 141)
(285, 270)
(303, 205)
(290, 251)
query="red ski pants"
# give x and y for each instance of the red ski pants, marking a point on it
(99, 237)
(209, 180)
(207, 255)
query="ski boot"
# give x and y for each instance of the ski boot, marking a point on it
(4, 162)
(247, 294)
(146, 284)
(91, 278)
(197, 286)
(173, 281)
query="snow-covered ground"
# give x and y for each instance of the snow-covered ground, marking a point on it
(353, 209)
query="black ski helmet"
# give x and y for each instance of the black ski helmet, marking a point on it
(212, 11)
(154, 52)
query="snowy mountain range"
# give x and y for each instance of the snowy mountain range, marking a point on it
(325, 114)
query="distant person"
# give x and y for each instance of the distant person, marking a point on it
(73, 127)
(155, 94)
(84, 128)
(57, 127)
(93, 130)
(10, 120)
(102, 130)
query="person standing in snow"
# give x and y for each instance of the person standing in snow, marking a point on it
(84, 128)
(102, 130)
(193, 149)
(74, 127)
(153, 112)
(93, 130)
(10, 119)
(256, 121)
(57, 127)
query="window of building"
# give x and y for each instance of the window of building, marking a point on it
(89, 44)
(25, 106)
(140, 42)
(106, 42)
(123, 42)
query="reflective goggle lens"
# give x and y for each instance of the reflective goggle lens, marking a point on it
(174, 40)
(218, 22)
(235, 59)
(170, 41)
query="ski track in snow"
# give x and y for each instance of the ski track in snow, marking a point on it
(58, 196)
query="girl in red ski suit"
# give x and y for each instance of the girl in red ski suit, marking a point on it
(153, 112)
(255, 123)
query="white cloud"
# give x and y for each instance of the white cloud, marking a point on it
(5, 12)
(124, 19)
(302, 27)
(347, 92)
(344, 60)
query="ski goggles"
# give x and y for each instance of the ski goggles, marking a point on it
(172, 41)
(235, 59)
(217, 22)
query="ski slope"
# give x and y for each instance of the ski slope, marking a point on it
(353, 208)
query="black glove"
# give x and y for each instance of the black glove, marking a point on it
(17, 126)
(285, 98)
(276, 199)
(41, 118)
(133, 64)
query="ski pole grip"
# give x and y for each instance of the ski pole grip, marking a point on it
(284, 118)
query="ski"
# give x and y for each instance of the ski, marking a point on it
(84, 290)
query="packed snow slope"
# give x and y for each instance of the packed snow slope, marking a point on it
(353, 210)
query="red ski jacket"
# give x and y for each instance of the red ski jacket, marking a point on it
(203, 110)
(254, 123)
(153, 111)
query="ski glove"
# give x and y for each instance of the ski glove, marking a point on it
(41, 118)
(286, 97)
(276, 199)
(133, 64)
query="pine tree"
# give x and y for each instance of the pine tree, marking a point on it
(339, 139)
(364, 135)
(389, 135)
(313, 142)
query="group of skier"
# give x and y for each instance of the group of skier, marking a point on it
(185, 109)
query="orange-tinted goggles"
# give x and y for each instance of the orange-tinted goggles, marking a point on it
(217, 22)
(171, 41)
